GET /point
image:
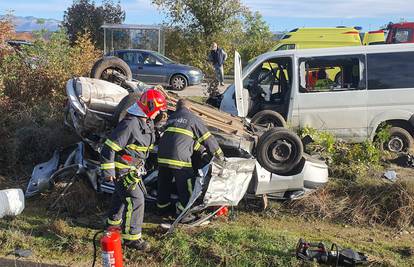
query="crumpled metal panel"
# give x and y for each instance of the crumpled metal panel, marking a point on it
(228, 184)
(41, 174)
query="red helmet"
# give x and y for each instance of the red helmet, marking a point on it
(152, 101)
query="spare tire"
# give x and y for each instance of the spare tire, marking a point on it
(269, 118)
(124, 104)
(279, 150)
(105, 67)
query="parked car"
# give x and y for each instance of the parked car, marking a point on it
(154, 68)
(375, 87)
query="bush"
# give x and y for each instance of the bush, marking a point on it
(40, 72)
(372, 201)
(345, 160)
(6, 32)
(29, 136)
(33, 98)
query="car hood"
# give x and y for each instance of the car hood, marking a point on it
(183, 67)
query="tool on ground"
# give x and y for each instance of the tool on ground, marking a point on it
(336, 256)
(111, 247)
(223, 211)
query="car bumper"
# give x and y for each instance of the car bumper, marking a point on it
(195, 79)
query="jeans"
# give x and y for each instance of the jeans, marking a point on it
(219, 70)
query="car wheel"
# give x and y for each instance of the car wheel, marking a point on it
(178, 82)
(400, 140)
(268, 119)
(279, 150)
(107, 68)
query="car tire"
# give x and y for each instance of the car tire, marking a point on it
(269, 118)
(400, 140)
(178, 82)
(279, 150)
(103, 68)
(122, 107)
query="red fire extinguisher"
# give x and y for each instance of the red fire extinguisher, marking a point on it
(111, 248)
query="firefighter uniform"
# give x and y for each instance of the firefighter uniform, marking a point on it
(122, 155)
(184, 134)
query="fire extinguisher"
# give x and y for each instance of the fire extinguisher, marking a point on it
(111, 247)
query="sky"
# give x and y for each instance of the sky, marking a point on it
(281, 15)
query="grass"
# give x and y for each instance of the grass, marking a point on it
(252, 239)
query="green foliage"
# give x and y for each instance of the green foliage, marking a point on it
(194, 25)
(33, 98)
(345, 160)
(40, 72)
(229, 246)
(206, 16)
(257, 37)
(383, 134)
(84, 16)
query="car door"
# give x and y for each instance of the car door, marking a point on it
(335, 105)
(151, 69)
(241, 94)
(131, 58)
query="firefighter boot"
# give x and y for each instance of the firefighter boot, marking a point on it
(139, 244)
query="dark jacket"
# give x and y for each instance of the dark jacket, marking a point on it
(127, 147)
(184, 133)
(217, 57)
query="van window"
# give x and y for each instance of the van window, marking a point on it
(390, 70)
(332, 73)
(402, 35)
(286, 47)
(270, 82)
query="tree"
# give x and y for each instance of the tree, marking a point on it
(257, 37)
(84, 16)
(194, 24)
(206, 16)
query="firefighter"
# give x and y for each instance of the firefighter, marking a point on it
(184, 134)
(123, 154)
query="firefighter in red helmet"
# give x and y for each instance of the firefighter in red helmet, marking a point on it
(122, 156)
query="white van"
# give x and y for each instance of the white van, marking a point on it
(348, 91)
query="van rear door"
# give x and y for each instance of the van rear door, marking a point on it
(332, 95)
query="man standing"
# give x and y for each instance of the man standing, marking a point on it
(217, 57)
(122, 156)
(184, 134)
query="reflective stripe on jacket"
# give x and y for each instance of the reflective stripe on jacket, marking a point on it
(127, 145)
(184, 133)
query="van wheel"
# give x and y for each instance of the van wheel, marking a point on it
(107, 68)
(268, 119)
(400, 140)
(122, 107)
(279, 150)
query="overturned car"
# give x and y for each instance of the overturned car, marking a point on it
(261, 160)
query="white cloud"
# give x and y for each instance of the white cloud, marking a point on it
(332, 8)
